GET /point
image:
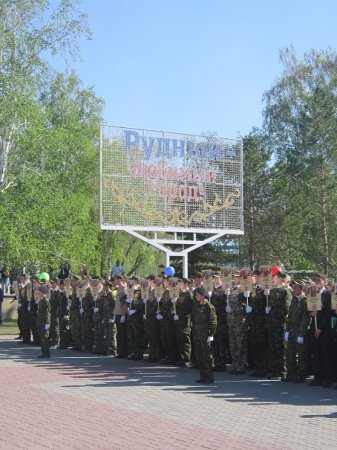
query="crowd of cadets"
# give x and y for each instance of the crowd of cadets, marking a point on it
(270, 332)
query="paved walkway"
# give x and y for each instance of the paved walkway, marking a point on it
(79, 401)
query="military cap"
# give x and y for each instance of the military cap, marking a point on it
(135, 277)
(186, 280)
(236, 274)
(300, 283)
(44, 288)
(107, 283)
(198, 275)
(75, 277)
(202, 291)
(150, 277)
(216, 274)
(308, 280)
(61, 283)
(256, 272)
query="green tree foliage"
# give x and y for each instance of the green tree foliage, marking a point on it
(301, 123)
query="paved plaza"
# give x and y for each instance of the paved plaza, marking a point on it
(76, 400)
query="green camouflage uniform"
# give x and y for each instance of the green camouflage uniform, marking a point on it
(297, 326)
(135, 330)
(43, 318)
(237, 331)
(257, 333)
(75, 321)
(204, 325)
(280, 299)
(87, 321)
(152, 328)
(110, 329)
(167, 332)
(182, 326)
(54, 331)
(220, 345)
(98, 324)
(63, 312)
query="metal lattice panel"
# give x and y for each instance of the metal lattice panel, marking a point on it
(153, 180)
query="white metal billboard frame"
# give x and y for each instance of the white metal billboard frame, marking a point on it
(187, 245)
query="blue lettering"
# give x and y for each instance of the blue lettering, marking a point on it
(147, 146)
(160, 142)
(129, 142)
(178, 145)
(215, 151)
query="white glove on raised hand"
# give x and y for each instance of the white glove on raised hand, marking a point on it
(46, 326)
(144, 301)
(267, 310)
(210, 339)
(286, 336)
(81, 310)
(65, 317)
(300, 340)
(144, 316)
(159, 317)
(174, 301)
(122, 319)
(176, 317)
(111, 321)
(96, 310)
(249, 309)
(228, 309)
(129, 300)
(131, 312)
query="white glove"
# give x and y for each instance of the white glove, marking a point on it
(111, 321)
(144, 316)
(286, 336)
(129, 300)
(267, 310)
(96, 310)
(246, 294)
(131, 312)
(176, 317)
(28, 308)
(65, 317)
(46, 326)
(228, 309)
(81, 310)
(266, 292)
(19, 305)
(144, 301)
(300, 340)
(122, 319)
(159, 317)
(210, 339)
(249, 309)
(174, 301)
(102, 321)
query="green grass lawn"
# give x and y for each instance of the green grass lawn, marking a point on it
(9, 327)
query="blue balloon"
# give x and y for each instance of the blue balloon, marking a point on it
(170, 271)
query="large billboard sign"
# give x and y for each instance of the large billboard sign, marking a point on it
(163, 181)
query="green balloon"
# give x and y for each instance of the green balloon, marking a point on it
(44, 276)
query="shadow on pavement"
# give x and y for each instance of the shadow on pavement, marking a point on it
(101, 371)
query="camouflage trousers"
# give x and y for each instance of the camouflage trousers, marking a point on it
(203, 356)
(152, 330)
(220, 346)
(296, 358)
(110, 340)
(99, 329)
(237, 333)
(183, 339)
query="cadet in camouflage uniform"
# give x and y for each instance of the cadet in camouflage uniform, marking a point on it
(237, 331)
(257, 333)
(24, 314)
(54, 331)
(296, 336)
(87, 320)
(182, 323)
(280, 299)
(63, 312)
(32, 314)
(135, 329)
(43, 320)
(121, 317)
(167, 331)
(204, 326)
(98, 322)
(75, 316)
(152, 325)
(220, 345)
(109, 318)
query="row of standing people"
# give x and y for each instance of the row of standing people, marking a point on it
(272, 333)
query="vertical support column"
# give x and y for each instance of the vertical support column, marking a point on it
(167, 259)
(185, 265)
